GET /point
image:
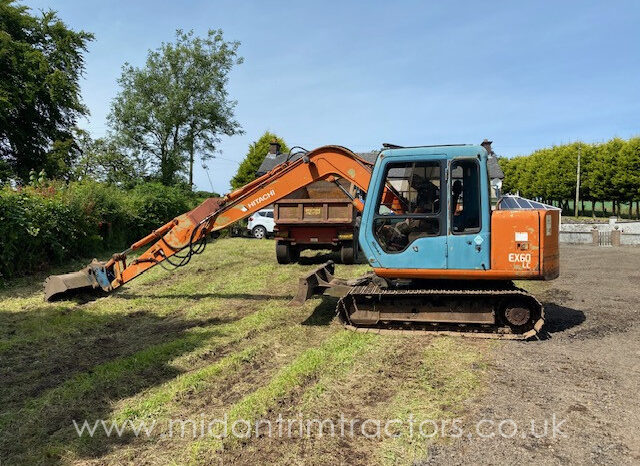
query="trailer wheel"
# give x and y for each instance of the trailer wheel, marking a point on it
(347, 253)
(284, 252)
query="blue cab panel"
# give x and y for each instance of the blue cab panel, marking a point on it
(428, 208)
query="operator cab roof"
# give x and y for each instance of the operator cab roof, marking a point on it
(448, 150)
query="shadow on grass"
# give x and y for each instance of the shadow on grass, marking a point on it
(79, 369)
(320, 257)
(80, 296)
(324, 312)
(248, 296)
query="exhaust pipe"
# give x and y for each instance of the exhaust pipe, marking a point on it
(91, 277)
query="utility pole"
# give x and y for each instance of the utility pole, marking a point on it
(575, 213)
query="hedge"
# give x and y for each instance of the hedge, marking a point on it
(45, 226)
(609, 171)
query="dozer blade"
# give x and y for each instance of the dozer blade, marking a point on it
(322, 282)
(91, 277)
(315, 282)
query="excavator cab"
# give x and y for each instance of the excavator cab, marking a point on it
(444, 218)
(439, 223)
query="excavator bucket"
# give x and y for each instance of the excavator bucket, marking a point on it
(91, 277)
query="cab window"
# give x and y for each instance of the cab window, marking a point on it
(409, 205)
(465, 196)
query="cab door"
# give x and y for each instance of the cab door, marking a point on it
(468, 240)
(407, 224)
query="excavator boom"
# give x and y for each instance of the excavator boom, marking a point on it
(179, 239)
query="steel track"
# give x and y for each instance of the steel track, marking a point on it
(369, 290)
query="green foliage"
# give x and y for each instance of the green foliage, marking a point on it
(627, 178)
(155, 204)
(51, 223)
(257, 152)
(105, 160)
(41, 62)
(177, 103)
(609, 172)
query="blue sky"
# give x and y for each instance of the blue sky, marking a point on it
(362, 73)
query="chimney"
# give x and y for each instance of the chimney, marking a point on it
(274, 148)
(487, 146)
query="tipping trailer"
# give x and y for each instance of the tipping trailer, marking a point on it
(442, 260)
(325, 222)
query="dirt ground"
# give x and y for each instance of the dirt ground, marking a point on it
(587, 371)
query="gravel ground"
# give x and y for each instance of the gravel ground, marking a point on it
(586, 372)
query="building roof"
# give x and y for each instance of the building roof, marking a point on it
(269, 162)
(494, 169)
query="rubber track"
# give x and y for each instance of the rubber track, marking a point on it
(468, 330)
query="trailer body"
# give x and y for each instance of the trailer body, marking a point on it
(326, 223)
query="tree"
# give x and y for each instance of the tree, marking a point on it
(41, 62)
(104, 160)
(258, 150)
(177, 103)
(509, 166)
(626, 178)
(603, 170)
(587, 165)
(610, 171)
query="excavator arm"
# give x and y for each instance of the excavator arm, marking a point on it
(179, 239)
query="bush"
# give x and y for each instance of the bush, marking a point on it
(154, 204)
(40, 227)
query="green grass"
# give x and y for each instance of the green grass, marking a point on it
(217, 336)
(157, 401)
(449, 373)
(626, 212)
(339, 350)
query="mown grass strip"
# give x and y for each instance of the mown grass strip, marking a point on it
(451, 371)
(340, 349)
(159, 400)
(331, 379)
(271, 315)
(50, 322)
(108, 373)
(77, 392)
(120, 371)
(32, 320)
(156, 401)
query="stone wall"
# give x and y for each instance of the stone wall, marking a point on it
(583, 233)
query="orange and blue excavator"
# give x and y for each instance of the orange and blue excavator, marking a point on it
(443, 260)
